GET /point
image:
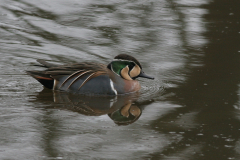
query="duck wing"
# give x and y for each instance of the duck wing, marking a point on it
(57, 76)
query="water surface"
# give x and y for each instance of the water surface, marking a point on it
(190, 111)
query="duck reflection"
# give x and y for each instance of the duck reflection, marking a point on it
(121, 109)
(127, 114)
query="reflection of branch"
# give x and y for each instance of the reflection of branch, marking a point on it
(49, 133)
(182, 27)
(187, 138)
(188, 50)
(216, 118)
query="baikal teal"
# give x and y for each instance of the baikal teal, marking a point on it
(116, 78)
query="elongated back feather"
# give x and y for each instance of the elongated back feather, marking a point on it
(56, 72)
(71, 76)
(79, 76)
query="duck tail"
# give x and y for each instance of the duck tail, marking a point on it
(43, 78)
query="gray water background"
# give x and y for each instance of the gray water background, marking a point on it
(190, 111)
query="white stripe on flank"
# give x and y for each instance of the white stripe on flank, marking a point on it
(54, 84)
(111, 84)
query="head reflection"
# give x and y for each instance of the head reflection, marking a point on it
(126, 115)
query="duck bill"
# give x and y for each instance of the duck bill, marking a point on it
(142, 74)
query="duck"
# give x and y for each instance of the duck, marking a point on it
(89, 78)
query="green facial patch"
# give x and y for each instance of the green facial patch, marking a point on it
(117, 66)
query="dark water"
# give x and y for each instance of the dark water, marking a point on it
(190, 111)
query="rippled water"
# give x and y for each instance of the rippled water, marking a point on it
(190, 111)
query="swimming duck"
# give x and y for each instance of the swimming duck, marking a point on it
(116, 78)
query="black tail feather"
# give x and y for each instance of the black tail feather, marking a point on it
(47, 83)
(44, 79)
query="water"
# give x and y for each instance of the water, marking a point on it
(190, 111)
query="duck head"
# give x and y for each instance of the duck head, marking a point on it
(127, 67)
